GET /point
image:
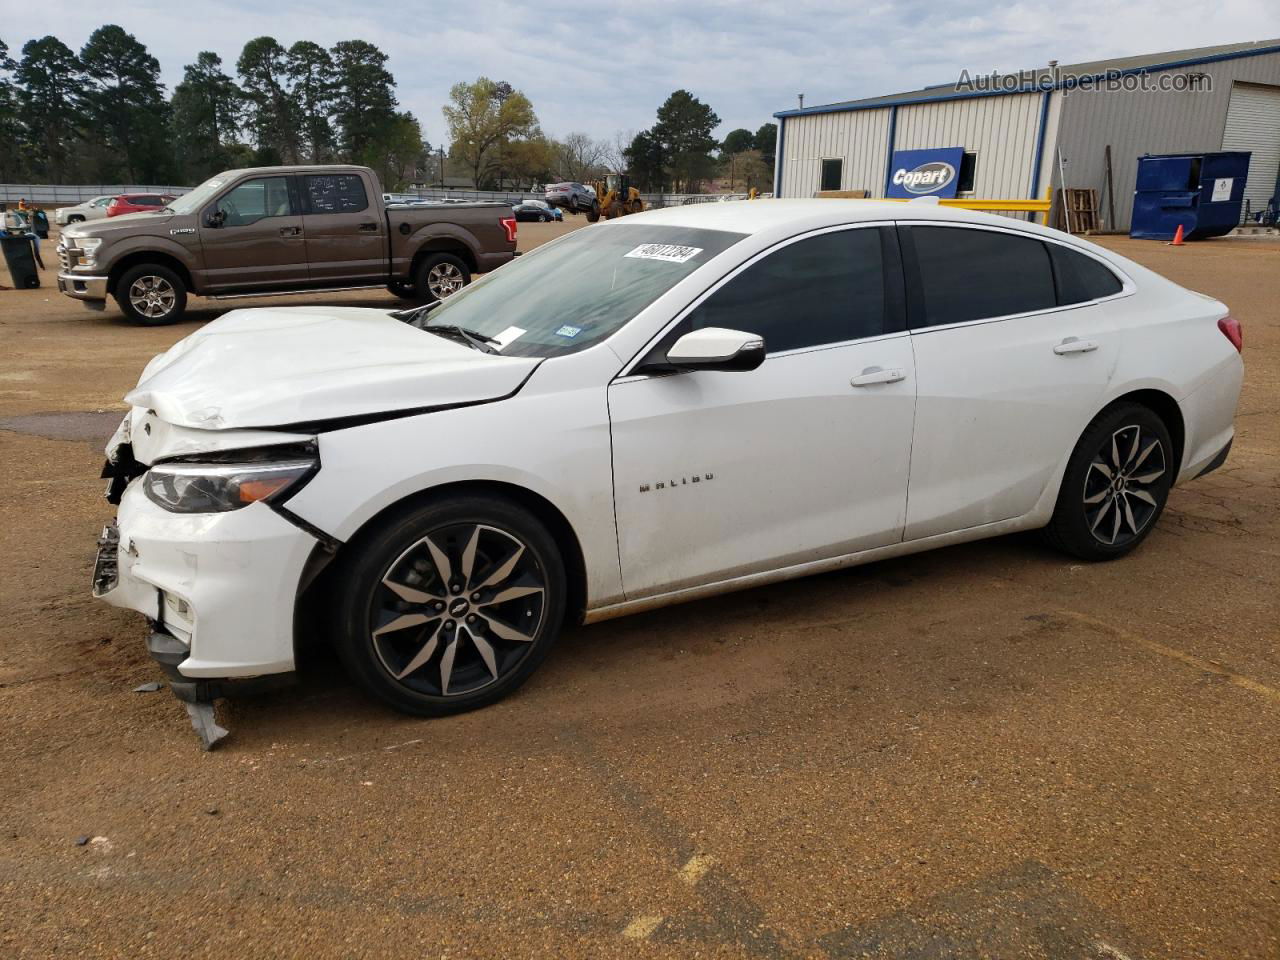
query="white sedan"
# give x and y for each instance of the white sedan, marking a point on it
(658, 408)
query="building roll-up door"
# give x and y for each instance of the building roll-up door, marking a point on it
(1253, 124)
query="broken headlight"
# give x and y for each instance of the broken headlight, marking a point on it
(219, 487)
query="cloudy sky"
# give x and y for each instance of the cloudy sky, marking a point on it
(604, 68)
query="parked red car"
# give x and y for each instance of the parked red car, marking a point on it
(138, 203)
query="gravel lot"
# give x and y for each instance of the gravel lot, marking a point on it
(984, 751)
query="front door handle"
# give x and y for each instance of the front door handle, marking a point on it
(290, 231)
(369, 227)
(873, 375)
(1075, 345)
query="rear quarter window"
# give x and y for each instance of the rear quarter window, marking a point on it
(1081, 278)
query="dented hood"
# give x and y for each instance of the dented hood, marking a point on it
(298, 365)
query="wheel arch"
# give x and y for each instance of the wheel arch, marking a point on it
(1164, 406)
(313, 584)
(139, 257)
(444, 244)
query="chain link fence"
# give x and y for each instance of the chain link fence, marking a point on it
(65, 195)
(43, 194)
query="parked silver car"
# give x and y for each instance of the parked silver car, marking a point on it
(571, 196)
(94, 209)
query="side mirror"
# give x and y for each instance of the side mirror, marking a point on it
(715, 348)
(215, 219)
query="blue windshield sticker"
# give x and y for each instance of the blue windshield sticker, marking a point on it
(568, 331)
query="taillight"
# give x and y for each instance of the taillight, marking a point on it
(509, 224)
(1230, 328)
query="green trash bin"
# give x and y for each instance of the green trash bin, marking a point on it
(20, 256)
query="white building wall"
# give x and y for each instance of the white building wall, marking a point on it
(1001, 130)
(860, 137)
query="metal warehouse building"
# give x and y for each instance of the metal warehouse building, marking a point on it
(1010, 129)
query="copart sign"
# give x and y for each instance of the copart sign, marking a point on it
(925, 173)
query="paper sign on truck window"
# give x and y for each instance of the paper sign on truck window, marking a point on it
(667, 252)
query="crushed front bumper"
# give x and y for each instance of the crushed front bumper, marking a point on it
(223, 586)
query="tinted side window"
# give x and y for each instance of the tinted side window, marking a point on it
(974, 274)
(1081, 278)
(255, 200)
(336, 193)
(826, 289)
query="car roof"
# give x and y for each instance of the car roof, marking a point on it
(762, 216)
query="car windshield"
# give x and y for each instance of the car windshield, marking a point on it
(574, 292)
(197, 198)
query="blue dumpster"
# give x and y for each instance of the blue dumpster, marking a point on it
(1202, 192)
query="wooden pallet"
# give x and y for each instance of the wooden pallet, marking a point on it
(1078, 211)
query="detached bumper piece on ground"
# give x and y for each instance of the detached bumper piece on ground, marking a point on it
(197, 696)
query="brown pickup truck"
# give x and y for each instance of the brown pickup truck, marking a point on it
(274, 230)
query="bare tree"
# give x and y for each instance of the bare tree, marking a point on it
(578, 157)
(614, 151)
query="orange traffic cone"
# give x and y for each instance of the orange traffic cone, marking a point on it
(1177, 237)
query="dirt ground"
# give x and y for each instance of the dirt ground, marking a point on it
(985, 751)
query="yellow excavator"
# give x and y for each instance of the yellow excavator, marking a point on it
(615, 197)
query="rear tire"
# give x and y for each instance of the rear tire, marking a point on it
(150, 295)
(402, 289)
(422, 623)
(1115, 486)
(439, 276)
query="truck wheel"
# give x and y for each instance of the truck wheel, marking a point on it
(594, 213)
(402, 289)
(439, 276)
(151, 295)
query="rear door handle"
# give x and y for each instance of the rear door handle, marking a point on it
(369, 227)
(290, 231)
(1075, 345)
(873, 375)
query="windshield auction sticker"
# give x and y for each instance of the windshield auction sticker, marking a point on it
(508, 336)
(666, 252)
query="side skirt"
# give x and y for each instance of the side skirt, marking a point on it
(999, 528)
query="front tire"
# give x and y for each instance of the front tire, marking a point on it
(1115, 486)
(593, 215)
(150, 295)
(402, 289)
(439, 276)
(75, 218)
(451, 605)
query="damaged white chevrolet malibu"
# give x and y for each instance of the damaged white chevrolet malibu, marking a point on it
(654, 409)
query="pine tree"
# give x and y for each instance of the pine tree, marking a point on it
(126, 118)
(364, 106)
(207, 107)
(264, 78)
(50, 112)
(311, 75)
